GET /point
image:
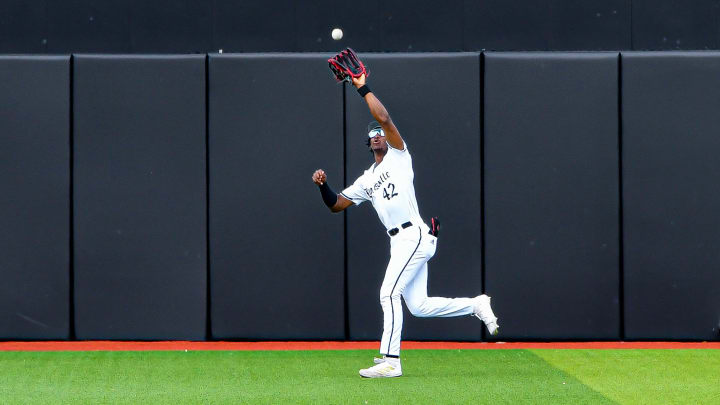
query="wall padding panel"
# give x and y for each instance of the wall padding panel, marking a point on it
(34, 197)
(277, 253)
(671, 195)
(140, 197)
(551, 194)
(434, 100)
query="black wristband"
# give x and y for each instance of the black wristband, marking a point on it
(364, 90)
(329, 197)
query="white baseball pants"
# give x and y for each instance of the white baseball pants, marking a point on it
(406, 276)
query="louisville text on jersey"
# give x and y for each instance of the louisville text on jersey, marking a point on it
(383, 176)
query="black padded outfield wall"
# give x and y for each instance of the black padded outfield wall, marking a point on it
(552, 194)
(671, 195)
(130, 167)
(34, 197)
(277, 253)
(139, 197)
(434, 101)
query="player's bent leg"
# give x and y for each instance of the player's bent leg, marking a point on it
(440, 307)
(420, 305)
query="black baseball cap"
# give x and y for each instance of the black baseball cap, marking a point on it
(373, 125)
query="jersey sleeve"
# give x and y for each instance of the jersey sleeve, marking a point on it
(405, 149)
(401, 155)
(356, 193)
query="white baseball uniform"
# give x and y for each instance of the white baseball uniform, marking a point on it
(389, 186)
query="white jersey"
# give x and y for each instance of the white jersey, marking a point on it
(389, 186)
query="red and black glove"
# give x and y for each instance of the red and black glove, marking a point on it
(346, 65)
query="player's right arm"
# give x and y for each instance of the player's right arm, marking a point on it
(378, 111)
(336, 202)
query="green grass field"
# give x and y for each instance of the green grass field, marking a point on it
(330, 377)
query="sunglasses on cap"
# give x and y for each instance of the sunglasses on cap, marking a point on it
(376, 132)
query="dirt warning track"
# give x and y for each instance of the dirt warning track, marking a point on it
(103, 345)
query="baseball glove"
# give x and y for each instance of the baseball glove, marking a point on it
(346, 65)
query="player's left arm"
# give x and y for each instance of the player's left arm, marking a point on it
(336, 202)
(378, 111)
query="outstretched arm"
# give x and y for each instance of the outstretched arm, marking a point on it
(335, 202)
(378, 111)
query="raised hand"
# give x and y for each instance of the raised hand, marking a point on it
(358, 81)
(319, 177)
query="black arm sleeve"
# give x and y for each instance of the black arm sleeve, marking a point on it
(329, 197)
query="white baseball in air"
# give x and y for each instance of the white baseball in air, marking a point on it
(337, 34)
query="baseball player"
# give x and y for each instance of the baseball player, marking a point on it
(388, 185)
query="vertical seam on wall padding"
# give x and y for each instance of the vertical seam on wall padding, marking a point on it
(621, 251)
(481, 90)
(208, 319)
(345, 244)
(71, 241)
